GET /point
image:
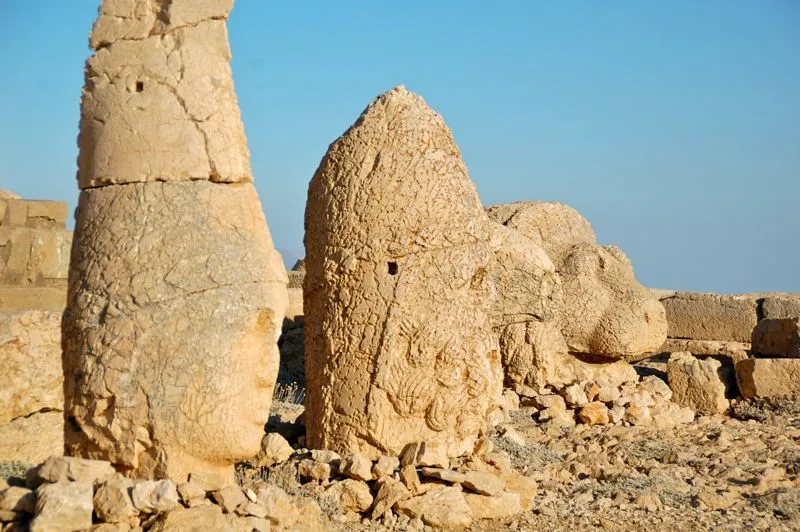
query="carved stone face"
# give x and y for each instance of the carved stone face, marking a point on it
(175, 305)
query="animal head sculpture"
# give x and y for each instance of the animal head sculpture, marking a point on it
(604, 310)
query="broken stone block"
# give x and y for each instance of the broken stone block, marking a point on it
(229, 498)
(777, 337)
(445, 508)
(356, 466)
(699, 316)
(410, 478)
(385, 466)
(200, 518)
(388, 493)
(191, 492)
(395, 233)
(63, 506)
(351, 495)
(208, 480)
(769, 377)
(697, 383)
(155, 497)
(595, 413)
(447, 475)
(493, 507)
(483, 483)
(274, 449)
(17, 499)
(313, 470)
(112, 502)
(780, 306)
(70, 468)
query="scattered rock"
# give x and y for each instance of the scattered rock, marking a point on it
(351, 494)
(769, 377)
(199, 518)
(69, 468)
(385, 466)
(112, 501)
(313, 470)
(63, 506)
(388, 493)
(356, 466)
(483, 483)
(229, 498)
(446, 508)
(274, 449)
(777, 337)
(16, 499)
(696, 383)
(155, 496)
(447, 475)
(208, 481)
(493, 507)
(595, 413)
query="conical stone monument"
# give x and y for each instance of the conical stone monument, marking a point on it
(176, 292)
(397, 296)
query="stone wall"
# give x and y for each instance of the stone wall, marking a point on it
(34, 254)
(34, 258)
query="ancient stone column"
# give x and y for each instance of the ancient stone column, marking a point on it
(397, 300)
(176, 293)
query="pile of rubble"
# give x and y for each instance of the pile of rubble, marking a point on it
(76, 494)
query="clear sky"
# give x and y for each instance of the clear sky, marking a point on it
(674, 127)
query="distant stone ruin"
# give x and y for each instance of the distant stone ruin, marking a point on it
(176, 295)
(34, 254)
(34, 259)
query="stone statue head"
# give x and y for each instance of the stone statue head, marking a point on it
(175, 306)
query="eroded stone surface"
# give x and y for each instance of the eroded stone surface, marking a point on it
(33, 438)
(603, 310)
(30, 355)
(399, 346)
(769, 377)
(777, 337)
(200, 292)
(161, 77)
(697, 383)
(699, 316)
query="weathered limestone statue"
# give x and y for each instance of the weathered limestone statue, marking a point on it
(176, 293)
(526, 319)
(604, 311)
(399, 346)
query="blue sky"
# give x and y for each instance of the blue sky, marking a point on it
(674, 127)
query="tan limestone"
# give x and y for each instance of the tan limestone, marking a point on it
(699, 316)
(397, 295)
(769, 377)
(779, 337)
(697, 383)
(177, 295)
(161, 77)
(603, 310)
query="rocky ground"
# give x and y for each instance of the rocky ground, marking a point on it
(717, 472)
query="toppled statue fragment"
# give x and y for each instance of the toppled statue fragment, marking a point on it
(604, 310)
(176, 293)
(397, 296)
